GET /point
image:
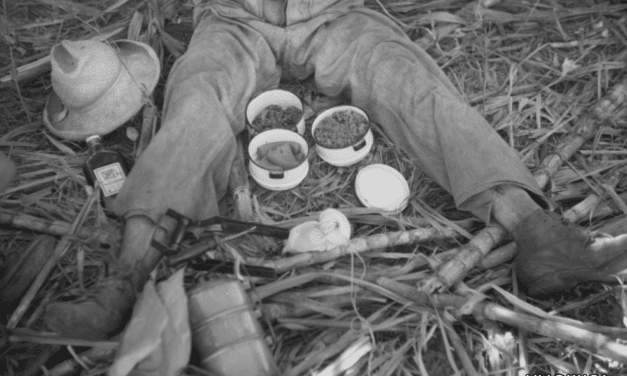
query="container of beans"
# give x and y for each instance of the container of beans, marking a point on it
(275, 109)
(342, 135)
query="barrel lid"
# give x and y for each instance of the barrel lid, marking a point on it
(382, 187)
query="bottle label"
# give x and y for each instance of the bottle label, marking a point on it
(111, 178)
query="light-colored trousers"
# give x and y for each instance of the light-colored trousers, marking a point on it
(237, 51)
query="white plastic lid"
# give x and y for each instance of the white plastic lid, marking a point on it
(382, 187)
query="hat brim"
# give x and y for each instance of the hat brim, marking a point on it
(138, 77)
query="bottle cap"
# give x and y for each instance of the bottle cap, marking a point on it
(381, 186)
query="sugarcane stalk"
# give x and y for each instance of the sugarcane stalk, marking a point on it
(242, 195)
(57, 254)
(93, 355)
(606, 208)
(469, 254)
(21, 273)
(587, 126)
(361, 245)
(598, 343)
(498, 256)
(461, 351)
(587, 205)
(595, 342)
(43, 338)
(148, 127)
(618, 201)
(553, 327)
(54, 227)
(455, 269)
(239, 186)
(287, 305)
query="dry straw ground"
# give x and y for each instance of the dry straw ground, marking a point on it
(537, 70)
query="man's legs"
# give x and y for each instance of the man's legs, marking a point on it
(363, 54)
(186, 166)
(366, 56)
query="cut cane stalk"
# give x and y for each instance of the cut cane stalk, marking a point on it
(595, 342)
(239, 186)
(91, 356)
(57, 228)
(21, 273)
(150, 117)
(553, 328)
(57, 254)
(585, 207)
(606, 208)
(242, 196)
(529, 318)
(361, 245)
(498, 256)
(469, 254)
(461, 351)
(455, 269)
(46, 338)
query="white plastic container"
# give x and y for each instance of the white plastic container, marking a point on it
(383, 187)
(344, 156)
(277, 97)
(277, 180)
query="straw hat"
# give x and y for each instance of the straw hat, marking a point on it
(98, 86)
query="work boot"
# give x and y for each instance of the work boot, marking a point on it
(94, 317)
(553, 256)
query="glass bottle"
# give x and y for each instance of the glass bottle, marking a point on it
(105, 166)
